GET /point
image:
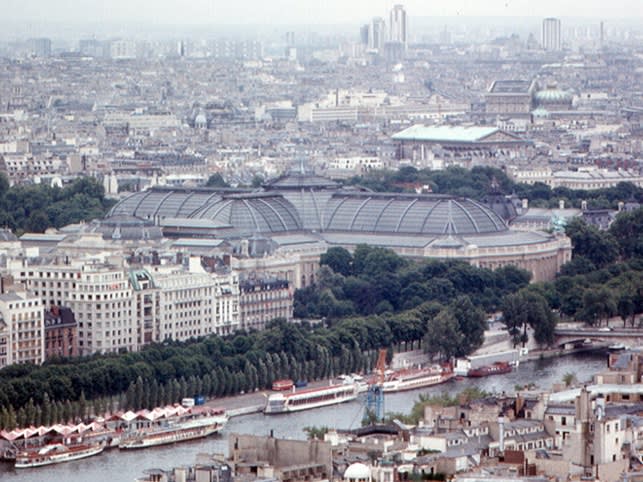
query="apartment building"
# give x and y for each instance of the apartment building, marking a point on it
(96, 290)
(61, 333)
(263, 300)
(21, 329)
(192, 305)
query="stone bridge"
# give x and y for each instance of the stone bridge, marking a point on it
(630, 337)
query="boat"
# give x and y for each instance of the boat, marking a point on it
(282, 385)
(485, 371)
(411, 379)
(617, 347)
(55, 454)
(197, 423)
(311, 398)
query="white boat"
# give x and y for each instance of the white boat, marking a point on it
(617, 347)
(416, 378)
(55, 454)
(196, 425)
(311, 398)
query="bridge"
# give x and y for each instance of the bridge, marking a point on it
(599, 336)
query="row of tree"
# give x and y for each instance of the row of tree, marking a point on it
(219, 382)
(212, 366)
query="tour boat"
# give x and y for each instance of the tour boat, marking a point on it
(411, 379)
(55, 454)
(495, 369)
(311, 398)
(196, 424)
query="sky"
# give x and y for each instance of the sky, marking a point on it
(284, 12)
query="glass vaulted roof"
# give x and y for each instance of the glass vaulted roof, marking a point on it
(302, 207)
(409, 214)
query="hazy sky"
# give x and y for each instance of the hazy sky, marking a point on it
(297, 11)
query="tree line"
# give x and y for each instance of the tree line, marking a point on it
(36, 207)
(66, 390)
(476, 183)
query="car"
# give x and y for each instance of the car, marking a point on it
(604, 328)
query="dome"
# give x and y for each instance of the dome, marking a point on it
(300, 180)
(253, 213)
(309, 193)
(409, 214)
(357, 471)
(553, 95)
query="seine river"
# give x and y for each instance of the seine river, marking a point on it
(126, 466)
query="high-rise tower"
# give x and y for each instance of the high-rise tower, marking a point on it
(551, 34)
(377, 34)
(398, 27)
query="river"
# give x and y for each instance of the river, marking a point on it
(126, 466)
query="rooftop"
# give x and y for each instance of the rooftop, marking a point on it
(511, 87)
(465, 134)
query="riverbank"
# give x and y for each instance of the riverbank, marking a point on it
(254, 403)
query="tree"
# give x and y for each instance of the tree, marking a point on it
(443, 337)
(569, 378)
(599, 247)
(316, 433)
(599, 304)
(38, 222)
(627, 229)
(216, 180)
(339, 260)
(471, 324)
(257, 181)
(529, 308)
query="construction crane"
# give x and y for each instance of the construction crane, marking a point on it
(375, 393)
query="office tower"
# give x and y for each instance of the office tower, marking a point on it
(377, 34)
(290, 39)
(363, 34)
(398, 25)
(551, 34)
(39, 47)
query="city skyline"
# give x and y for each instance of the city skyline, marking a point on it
(280, 12)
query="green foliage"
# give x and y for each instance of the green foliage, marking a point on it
(376, 281)
(213, 367)
(569, 379)
(216, 180)
(476, 183)
(599, 247)
(443, 399)
(339, 260)
(627, 229)
(529, 307)
(316, 433)
(37, 207)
